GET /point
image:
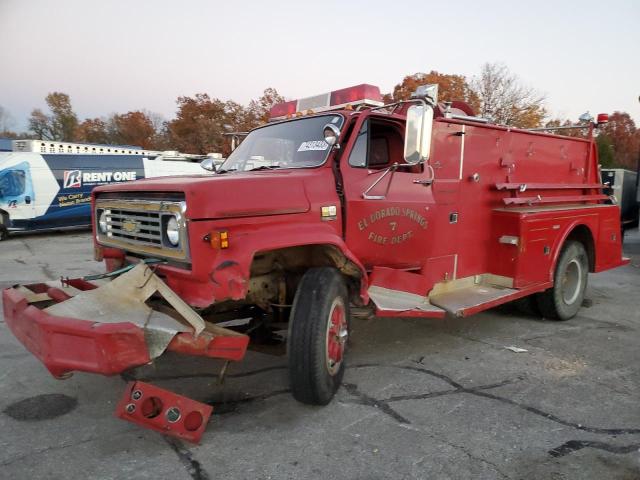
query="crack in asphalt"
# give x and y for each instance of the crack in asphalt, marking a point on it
(222, 406)
(575, 445)
(46, 271)
(383, 406)
(480, 391)
(464, 450)
(28, 247)
(130, 376)
(63, 446)
(458, 388)
(191, 465)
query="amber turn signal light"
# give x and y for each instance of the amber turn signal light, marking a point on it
(218, 240)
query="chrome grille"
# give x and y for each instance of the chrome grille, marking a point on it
(135, 226)
(138, 226)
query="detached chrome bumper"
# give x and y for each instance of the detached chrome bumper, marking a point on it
(110, 341)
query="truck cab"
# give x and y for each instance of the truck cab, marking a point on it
(416, 208)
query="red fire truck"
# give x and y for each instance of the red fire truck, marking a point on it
(339, 205)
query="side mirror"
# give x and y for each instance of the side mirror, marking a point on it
(331, 134)
(208, 164)
(417, 135)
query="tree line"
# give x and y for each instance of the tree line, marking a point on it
(201, 121)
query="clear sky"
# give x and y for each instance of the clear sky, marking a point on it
(121, 55)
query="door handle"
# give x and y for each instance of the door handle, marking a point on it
(426, 183)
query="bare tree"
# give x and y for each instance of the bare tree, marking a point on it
(40, 125)
(507, 101)
(60, 125)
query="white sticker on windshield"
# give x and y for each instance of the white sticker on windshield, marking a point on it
(313, 145)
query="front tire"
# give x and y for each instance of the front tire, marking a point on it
(318, 329)
(564, 299)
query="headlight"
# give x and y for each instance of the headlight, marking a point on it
(173, 232)
(102, 221)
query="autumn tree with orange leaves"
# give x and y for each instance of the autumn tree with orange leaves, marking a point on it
(496, 94)
(618, 140)
(450, 88)
(140, 128)
(623, 138)
(132, 128)
(202, 121)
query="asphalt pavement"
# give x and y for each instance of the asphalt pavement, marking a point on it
(424, 399)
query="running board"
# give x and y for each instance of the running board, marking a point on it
(466, 301)
(396, 303)
(398, 293)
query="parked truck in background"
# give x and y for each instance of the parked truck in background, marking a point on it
(47, 185)
(622, 186)
(342, 205)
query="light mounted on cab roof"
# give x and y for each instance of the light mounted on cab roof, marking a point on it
(364, 95)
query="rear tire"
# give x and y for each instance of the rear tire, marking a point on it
(318, 329)
(564, 299)
(4, 233)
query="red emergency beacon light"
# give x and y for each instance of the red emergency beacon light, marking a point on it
(353, 96)
(602, 118)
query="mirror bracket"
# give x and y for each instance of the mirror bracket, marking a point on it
(366, 195)
(208, 164)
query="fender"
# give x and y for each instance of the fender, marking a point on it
(563, 238)
(253, 241)
(224, 274)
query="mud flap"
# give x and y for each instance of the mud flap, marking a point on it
(163, 411)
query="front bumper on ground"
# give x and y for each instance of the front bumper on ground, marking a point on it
(66, 343)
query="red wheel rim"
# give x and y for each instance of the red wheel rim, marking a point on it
(337, 333)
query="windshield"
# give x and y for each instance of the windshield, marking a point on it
(294, 144)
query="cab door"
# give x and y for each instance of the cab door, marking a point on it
(388, 203)
(16, 193)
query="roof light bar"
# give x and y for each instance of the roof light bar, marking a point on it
(363, 94)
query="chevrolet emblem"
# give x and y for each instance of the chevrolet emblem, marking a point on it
(130, 226)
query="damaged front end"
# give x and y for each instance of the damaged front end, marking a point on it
(108, 327)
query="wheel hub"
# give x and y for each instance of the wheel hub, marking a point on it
(337, 334)
(572, 282)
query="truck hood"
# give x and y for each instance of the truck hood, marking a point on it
(228, 195)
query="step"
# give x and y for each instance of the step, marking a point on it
(391, 302)
(471, 299)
